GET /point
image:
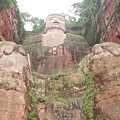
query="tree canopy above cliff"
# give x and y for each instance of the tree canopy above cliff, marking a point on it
(98, 17)
(5, 4)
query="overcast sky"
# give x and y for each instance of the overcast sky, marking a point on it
(42, 8)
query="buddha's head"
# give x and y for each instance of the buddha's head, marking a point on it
(55, 21)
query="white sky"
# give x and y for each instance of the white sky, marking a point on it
(42, 8)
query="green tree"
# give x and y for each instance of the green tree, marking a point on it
(82, 11)
(25, 17)
(5, 4)
(68, 18)
(87, 11)
(36, 23)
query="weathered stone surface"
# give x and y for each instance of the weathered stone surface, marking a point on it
(10, 25)
(54, 31)
(45, 113)
(104, 25)
(65, 87)
(60, 56)
(14, 82)
(113, 29)
(12, 105)
(108, 81)
(105, 64)
(57, 111)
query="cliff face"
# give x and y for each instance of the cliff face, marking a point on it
(104, 24)
(111, 21)
(11, 25)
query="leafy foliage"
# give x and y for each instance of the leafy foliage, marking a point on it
(32, 97)
(25, 17)
(32, 110)
(0, 85)
(5, 4)
(90, 13)
(87, 11)
(62, 89)
(89, 96)
(32, 114)
(56, 76)
(36, 23)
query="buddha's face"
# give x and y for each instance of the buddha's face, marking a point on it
(55, 21)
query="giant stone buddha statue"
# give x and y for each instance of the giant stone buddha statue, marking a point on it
(54, 51)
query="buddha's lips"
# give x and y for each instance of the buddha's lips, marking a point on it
(56, 22)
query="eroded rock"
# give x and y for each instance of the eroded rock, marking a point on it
(12, 105)
(10, 25)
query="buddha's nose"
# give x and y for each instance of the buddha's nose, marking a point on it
(56, 21)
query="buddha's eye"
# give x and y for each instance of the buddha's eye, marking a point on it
(51, 18)
(61, 19)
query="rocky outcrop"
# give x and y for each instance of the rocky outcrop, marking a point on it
(12, 105)
(11, 27)
(105, 68)
(107, 101)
